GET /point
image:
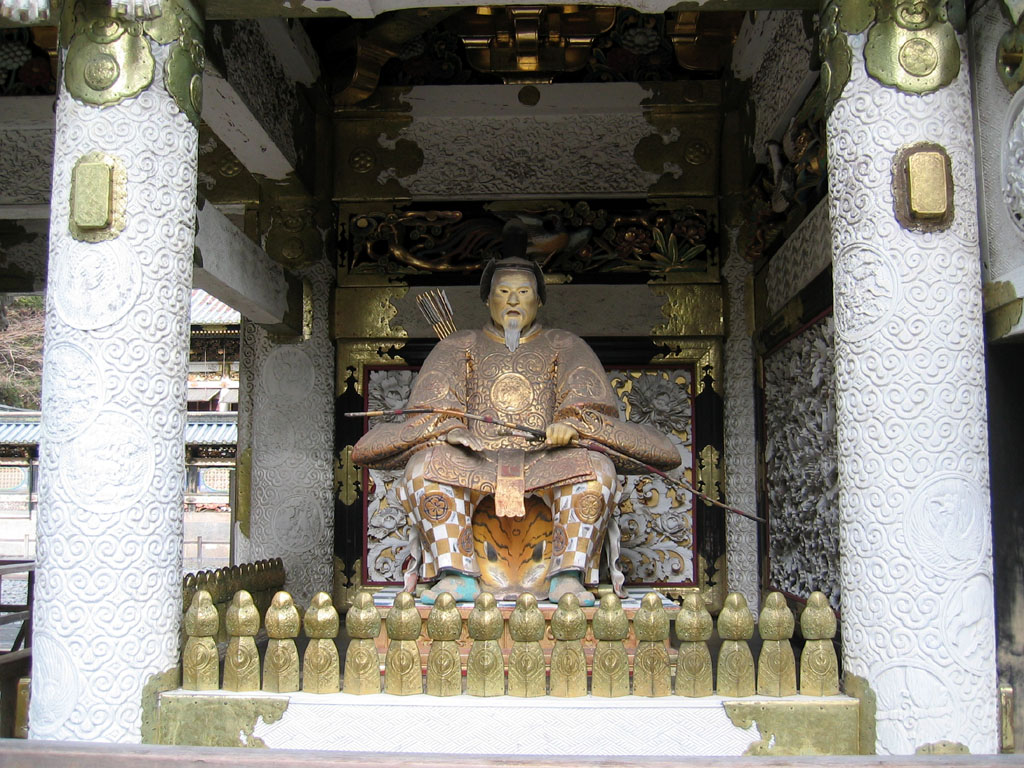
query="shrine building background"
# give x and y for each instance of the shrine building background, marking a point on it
(793, 235)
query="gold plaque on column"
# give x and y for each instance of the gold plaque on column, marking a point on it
(99, 190)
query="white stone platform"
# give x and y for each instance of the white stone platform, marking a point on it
(626, 726)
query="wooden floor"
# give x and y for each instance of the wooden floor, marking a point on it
(15, 753)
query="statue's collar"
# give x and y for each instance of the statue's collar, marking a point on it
(495, 333)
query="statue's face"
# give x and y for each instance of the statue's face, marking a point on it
(513, 294)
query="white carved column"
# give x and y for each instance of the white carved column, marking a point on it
(286, 431)
(740, 438)
(915, 535)
(108, 589)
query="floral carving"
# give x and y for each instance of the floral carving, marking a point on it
(800, 463)
(656, 401)
(389, 390)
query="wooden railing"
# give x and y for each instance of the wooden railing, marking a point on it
(16, 661)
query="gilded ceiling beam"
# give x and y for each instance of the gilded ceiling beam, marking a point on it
(531, 43)
(382, 43)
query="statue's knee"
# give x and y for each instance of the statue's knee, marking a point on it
(604, 470)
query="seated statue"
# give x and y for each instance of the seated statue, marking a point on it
(514, 371)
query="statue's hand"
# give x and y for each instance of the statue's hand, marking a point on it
(559, 434)
(463, 437)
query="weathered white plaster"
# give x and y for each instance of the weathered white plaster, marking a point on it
(239, 129)
(237, 271)
(915, 532)
(783, 79)
(112, 471)
(671, 726)
(287, 421)
(753, 41)
(292, 48)
(257, 79)
(743, 567)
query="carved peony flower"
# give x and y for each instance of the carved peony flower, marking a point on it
(674, 523)
(389, 390)
(640, 40)
(385, 521)
(660, 403)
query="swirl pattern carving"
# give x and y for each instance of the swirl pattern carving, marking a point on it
(912, 438)
(740, 440)
(289, 399)
(108, 593)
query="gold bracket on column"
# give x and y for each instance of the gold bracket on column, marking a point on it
(1006, 743)
(922, 187)
(1010, 57)
(99, 190)
(346, 477)
(912, 47)
(109, 57)
(836, 56)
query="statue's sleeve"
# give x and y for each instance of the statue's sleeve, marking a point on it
(586, 401)
(441, 383)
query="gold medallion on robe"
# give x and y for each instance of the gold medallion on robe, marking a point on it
(512, 393)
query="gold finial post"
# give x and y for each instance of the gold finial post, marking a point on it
(610, 675)
(199, 661)
(402, 673)
(444, 666)
(735, 661)
(776, 666)
(819, 667)
(485, 667)
(281, 664)
(362, 662)
(242, 662)
(651, 673)
(526, 674)
(568, 664)
(321, 667)
(693, 668)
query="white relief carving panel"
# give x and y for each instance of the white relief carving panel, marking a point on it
(740, 440)
(287, 401)
(800, 464)
(25, 171)
(782, 80)
(525, 156)
(998, 119)
(804, 255)
(108, 591)
(253, 70)
(912, 436)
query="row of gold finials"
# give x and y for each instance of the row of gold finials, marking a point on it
(529, 672)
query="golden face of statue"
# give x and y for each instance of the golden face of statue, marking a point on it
(513, 294)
